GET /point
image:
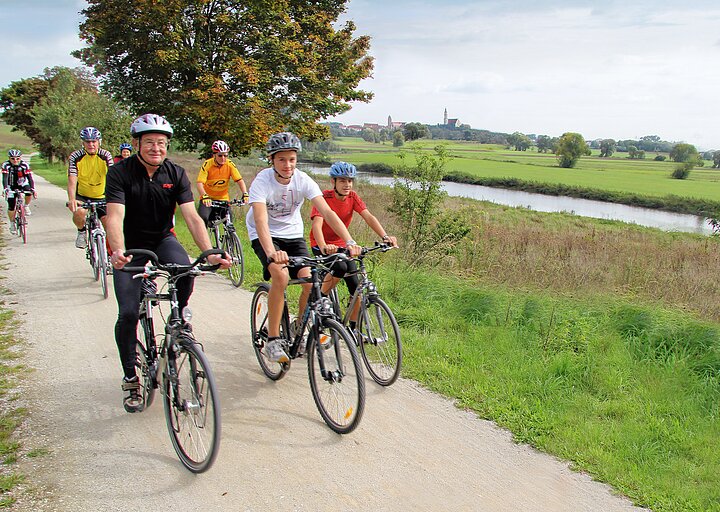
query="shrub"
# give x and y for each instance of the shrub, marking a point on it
(682, 171)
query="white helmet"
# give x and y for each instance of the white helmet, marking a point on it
(150, 123)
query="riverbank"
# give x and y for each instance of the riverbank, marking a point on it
(671, 203)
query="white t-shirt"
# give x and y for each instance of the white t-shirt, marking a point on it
(283, 202)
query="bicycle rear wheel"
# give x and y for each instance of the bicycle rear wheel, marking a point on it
(192, 407)
(379, 341)
(259, 333)
(146, 359)
(232, 246)
(101, 263)
(336, 377)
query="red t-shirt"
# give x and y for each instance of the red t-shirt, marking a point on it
(344, 210)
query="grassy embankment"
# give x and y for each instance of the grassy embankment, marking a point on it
(617, 179)
(592, 340)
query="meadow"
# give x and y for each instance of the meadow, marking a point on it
(595, 341)
(617, 178)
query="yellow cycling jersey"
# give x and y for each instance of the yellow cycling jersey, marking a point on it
(216, 178)
(90, 171)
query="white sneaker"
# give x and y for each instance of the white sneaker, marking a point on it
(80, 241)
(27, 210)
(275, 352)
(13, 229)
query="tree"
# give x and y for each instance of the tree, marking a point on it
(398, 139)
(684, 153)
(607, 147)
(716, 159)
(417, 198)
(545, 144)
(228, 69)
(414, 131)
(635, 153)
(20, 97)
(520, 141)
(571, 147)
(68, 106)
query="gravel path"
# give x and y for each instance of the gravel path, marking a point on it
(412, 451)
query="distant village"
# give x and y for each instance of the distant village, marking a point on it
(394, 125)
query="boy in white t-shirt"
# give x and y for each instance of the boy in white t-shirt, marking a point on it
(276, 232)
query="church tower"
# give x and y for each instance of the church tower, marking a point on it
(445, 117)
(389, 125)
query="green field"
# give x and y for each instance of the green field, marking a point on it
(618, 174)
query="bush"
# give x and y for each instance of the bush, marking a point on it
(378, 167)
(682, 171)
(660, 158)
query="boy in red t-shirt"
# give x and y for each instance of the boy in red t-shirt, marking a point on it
(343, 200)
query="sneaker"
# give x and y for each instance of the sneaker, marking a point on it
(133, 401)
(13, 229)
(27, 210)
(80, 241)
(275, 352)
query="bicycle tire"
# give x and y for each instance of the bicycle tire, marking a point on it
(232, 246)
(192, 407)
(339, 390)
(102, 263)
(145, 362)
(258, 333)
(22, 224)
(91, 252)
(380, 343)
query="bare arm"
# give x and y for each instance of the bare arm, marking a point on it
(263, 231)
(375, 225)
(317, 225)
(115, 236)
(71, 188)
(334, 221)
(197, 229)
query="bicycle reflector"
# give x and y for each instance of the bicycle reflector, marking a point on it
(187, 314)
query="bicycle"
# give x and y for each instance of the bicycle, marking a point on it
(376, 332)
(191, 403)
(334, 369)
(95, 243)
(227, 238)
(20, 213)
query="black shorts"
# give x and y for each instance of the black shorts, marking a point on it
(11, 199)
(102, 211)
(346, 269)
(292, 246)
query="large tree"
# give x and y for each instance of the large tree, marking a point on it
(232, 69)
(414, 131)
(684, 152)
(570, 148)
(607, 147)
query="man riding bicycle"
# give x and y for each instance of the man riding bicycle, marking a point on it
(142, 193)
(213, 181)
(275, 228)
(343, 200)
(87, 168)
(16, 175)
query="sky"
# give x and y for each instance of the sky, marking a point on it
(604, 69)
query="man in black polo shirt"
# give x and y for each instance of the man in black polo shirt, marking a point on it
(142, 193)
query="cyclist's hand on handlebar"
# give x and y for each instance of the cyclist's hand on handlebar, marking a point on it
(279, 257)
(354, 250)
(329, 249)
(222, 260)
(119, 260)
(206, 200)
(34, 194)
(390, 240)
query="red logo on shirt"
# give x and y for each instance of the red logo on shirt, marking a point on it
(167, 185)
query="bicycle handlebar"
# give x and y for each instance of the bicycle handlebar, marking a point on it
(233, 202)
(172, 269)
(315, 261)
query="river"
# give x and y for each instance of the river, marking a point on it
(649, 217)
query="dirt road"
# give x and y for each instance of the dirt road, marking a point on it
(413, 450)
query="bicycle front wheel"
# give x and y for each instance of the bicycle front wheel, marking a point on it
(22, 225)
(232, 246)
(259, 333)
(145, 360)
(379, 340)
(336, 377)
(101, 263)
(192, 407)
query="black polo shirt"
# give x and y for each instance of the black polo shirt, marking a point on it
(149, 203)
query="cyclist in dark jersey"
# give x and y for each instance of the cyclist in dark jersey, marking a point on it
(142, 192)
(16, 175)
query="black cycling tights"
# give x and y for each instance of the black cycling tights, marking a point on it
(127, 293)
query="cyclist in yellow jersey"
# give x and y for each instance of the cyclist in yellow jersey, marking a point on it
(213, 181)
(87, 168)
